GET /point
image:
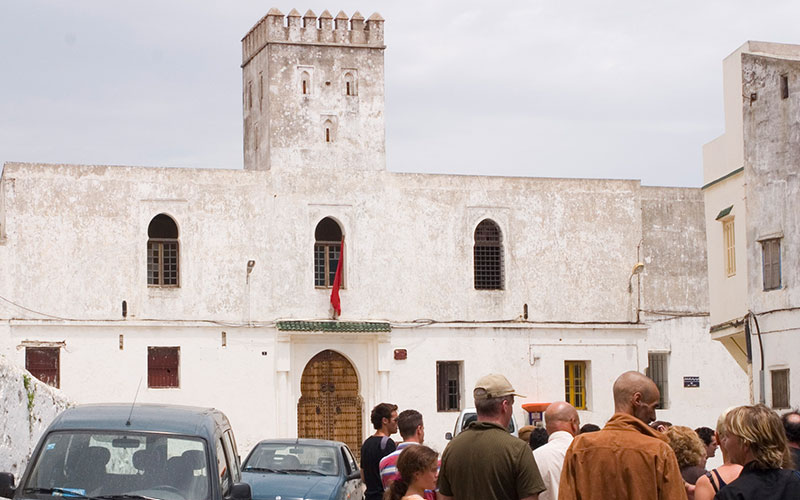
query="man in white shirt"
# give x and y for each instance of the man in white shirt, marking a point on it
(562, 423)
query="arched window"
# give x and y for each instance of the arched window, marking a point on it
(349, 84)
(305, 83)
(488, 256)
(327, 248)
(162, 252)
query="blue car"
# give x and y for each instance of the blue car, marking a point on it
(309, 469)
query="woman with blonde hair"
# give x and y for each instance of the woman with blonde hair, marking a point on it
(711, 482)
(689, 450)
(418, 469)
(756, 440)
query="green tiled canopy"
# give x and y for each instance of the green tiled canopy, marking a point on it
(333, 326)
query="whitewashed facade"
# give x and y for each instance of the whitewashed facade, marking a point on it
(751, 182)
(75, 239)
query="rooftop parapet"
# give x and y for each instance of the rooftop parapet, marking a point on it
(323, 30)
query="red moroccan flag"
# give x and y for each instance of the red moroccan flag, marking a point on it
(337, 282)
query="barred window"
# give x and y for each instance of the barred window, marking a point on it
(162, 367)
(162, 252)
(488, 256)
(657, 364)
(448, 385)
(327, 248)
(771, 257)
(780, 388)
(43, 363)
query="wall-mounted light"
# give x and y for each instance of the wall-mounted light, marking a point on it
(250, 265)
(637, 269)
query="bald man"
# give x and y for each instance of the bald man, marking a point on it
(626, 459)
(562, 424)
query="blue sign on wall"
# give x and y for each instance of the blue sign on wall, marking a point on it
(691, 381)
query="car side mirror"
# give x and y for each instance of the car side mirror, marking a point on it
(448, 436)
(7, 485)
(354, 475)
(241, 491)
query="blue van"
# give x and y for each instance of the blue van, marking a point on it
(144, 451)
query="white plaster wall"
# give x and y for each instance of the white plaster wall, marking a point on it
(28, 407)
(409, 241)
(237, 378)
(772, 151)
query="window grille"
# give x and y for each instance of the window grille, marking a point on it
(327, 250)
(730, 247)
(162, 252)
(43, 363)
(575, 383)
(657, 370)
(771, 257)
(162, 367)
(448, 385)
(780, 388)
(488, 256)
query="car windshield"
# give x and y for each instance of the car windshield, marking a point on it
(292, 458)
(113, 464)
(471, 417)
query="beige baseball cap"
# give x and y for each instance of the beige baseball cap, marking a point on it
(493, 385)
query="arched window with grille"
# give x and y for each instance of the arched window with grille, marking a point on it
(488, 256)
(327, 249)
(162, 252)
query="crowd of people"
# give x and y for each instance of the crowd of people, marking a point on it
(633, 457)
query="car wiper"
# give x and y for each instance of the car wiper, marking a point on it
(65, 492)
(305, 471)
(123, 496)
(263, 469)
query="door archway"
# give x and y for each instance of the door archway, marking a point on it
(330, 405)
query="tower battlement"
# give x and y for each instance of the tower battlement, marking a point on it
(312, 29)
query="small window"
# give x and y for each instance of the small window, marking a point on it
(780, 388)
(771, 260)
(575, 383)
(162, 367)
(784, 86)
(305, 83)
(327, 248)
(43, 363)
(328, 126)
(448, 385)
(249, 95)
(349, 84)
(657, 363)
(162, 252)
(729, 242)
(260, 91)
(488, 256)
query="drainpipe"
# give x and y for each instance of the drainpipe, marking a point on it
(761, 378)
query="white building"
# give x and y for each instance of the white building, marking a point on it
(212, 287)
(752, 196)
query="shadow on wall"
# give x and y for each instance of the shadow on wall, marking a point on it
(28, 407)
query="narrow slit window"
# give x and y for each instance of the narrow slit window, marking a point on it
(305, 83)
(349, 84)
(784, 86)
(327, 134)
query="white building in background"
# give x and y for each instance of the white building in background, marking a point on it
(752, 205)
(212, 287)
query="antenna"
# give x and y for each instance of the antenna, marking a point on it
(128, 423)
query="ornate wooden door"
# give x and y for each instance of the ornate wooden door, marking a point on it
(330, 406)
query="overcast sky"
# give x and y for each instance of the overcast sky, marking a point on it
(620, 89)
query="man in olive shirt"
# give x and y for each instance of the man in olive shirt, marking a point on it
(485, 462)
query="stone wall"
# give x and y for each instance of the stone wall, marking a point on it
(28, 407)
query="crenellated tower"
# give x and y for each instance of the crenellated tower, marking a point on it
(313, 92)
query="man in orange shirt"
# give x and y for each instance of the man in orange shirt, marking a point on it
(626, 459)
